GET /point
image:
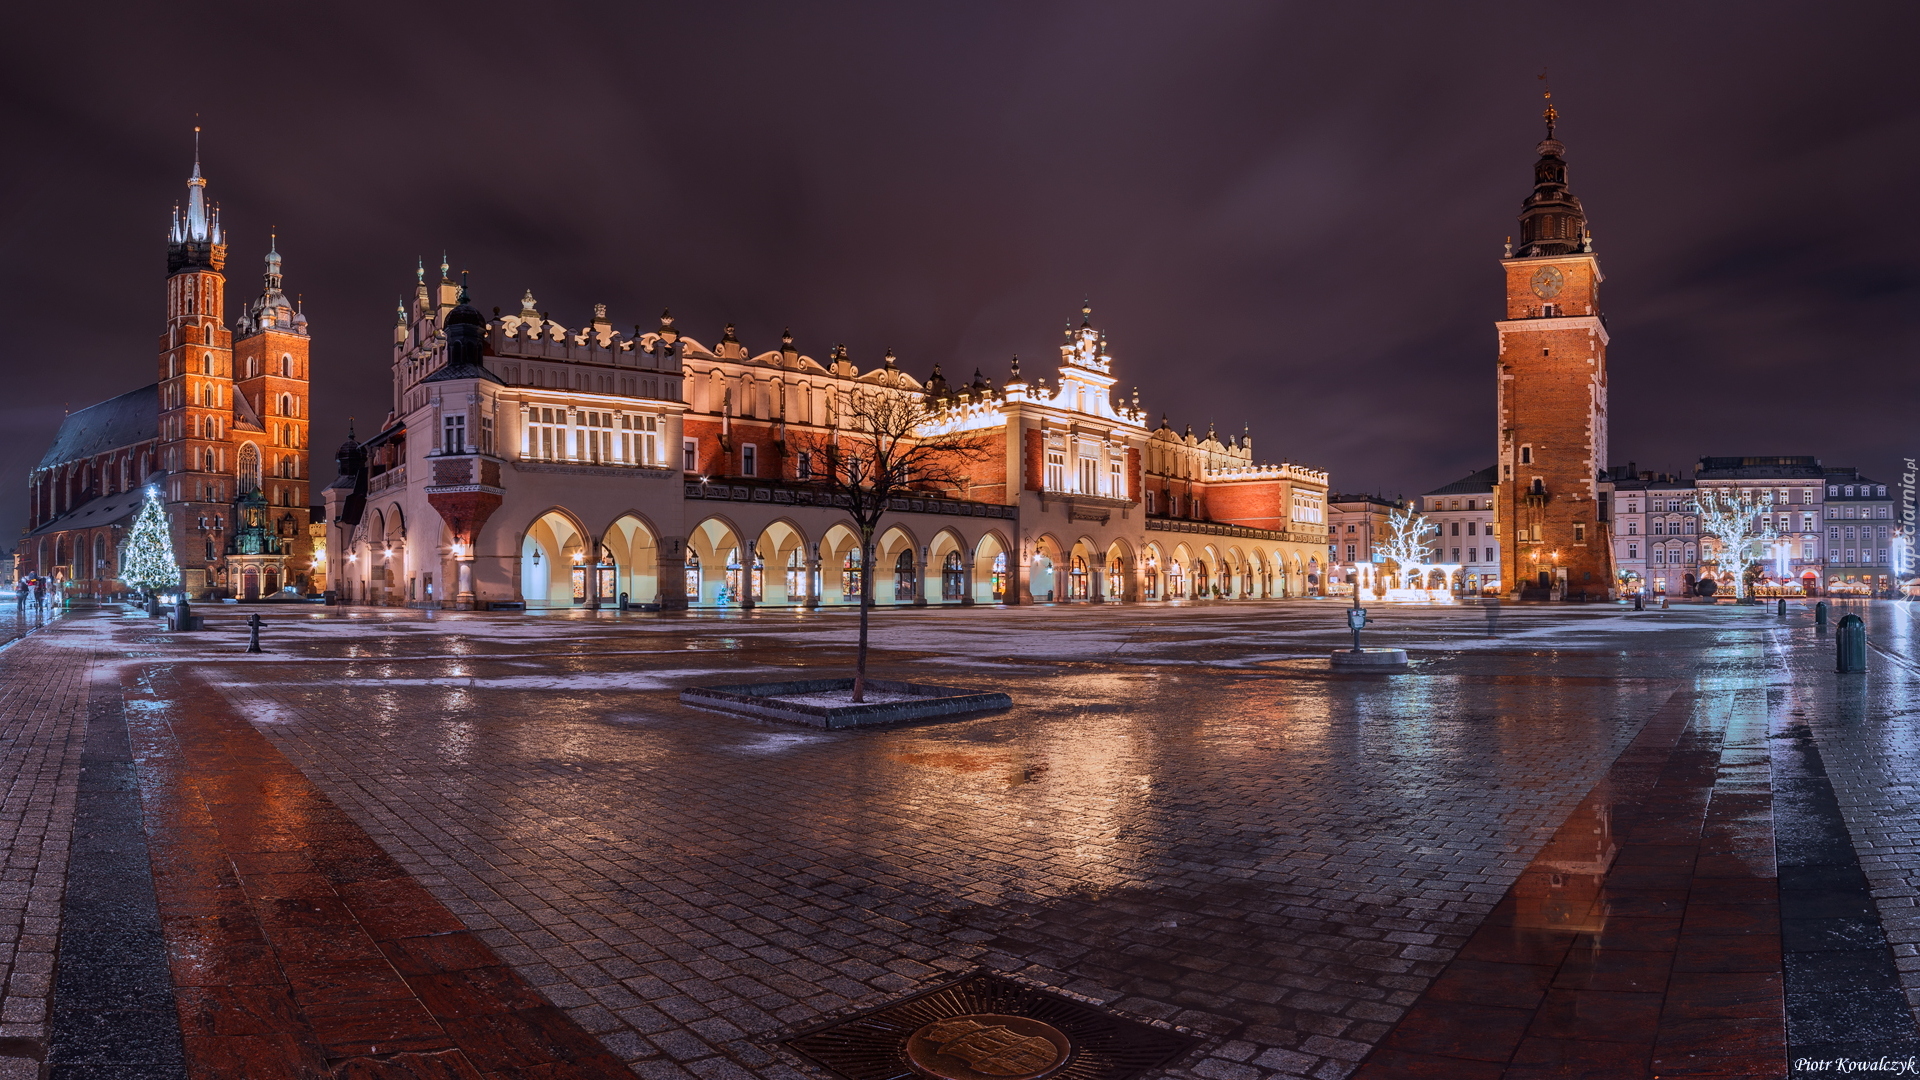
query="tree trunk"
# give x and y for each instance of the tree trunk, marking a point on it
(866, 604)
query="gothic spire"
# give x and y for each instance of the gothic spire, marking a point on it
(195, 241)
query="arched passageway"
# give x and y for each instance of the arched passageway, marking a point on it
(553, 555)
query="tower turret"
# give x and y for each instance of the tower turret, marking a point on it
(1552, 221)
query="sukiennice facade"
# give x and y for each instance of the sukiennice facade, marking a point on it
(530, 463)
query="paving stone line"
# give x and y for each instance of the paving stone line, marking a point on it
(43, 701)
(1867, 730)
(113, 1002)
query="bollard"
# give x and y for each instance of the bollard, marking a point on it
(1783, 607)
(253, 632)
(623, 601)
(1820, 614)
(1638, 604)
(1851, 643)
(182, 613)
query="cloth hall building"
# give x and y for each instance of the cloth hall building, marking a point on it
(221, 433)
(530, 463)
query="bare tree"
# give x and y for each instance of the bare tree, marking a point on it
(886, 444)
(1406, 543)
(1744, 533)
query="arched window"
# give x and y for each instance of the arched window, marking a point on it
(206, 364)
(249, 470)
(286, 366)
(1000, 576)
(693, 578)
(286, 404)
(1077, 579)
(904, 577)
(1150, 579)
(953, 577)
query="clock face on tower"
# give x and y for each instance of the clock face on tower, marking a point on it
(1547, 281)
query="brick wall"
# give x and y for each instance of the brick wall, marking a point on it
(1259, 504)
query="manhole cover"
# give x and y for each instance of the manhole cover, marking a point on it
(990, 1028)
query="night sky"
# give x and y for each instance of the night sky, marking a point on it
(1286, 216)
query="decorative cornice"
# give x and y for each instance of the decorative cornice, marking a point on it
(1590, 323)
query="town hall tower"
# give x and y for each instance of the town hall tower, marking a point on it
(1552, 398)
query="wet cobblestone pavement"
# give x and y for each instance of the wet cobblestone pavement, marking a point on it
(1568, 842)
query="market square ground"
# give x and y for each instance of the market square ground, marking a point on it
(1570, 841)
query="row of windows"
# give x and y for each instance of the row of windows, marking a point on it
(1173, 502)
(1086, 479)
(1865, 556)
(559, 434)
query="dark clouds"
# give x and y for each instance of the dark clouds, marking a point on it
(1286, 216)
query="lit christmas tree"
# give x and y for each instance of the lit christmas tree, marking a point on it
(148, 562)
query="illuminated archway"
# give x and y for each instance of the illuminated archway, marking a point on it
(553, 555)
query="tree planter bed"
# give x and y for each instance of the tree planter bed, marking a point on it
(813, 701)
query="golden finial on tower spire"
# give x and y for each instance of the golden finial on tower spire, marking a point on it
(1551, 115)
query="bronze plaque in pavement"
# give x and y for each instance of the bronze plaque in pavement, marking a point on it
(987, 1046)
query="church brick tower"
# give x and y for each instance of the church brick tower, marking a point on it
(196, 389)
(270, 426)
(233, 417)
(1552, 399)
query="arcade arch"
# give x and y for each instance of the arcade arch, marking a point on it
(715, 574)
(992, 570)
(553, 554)
(897, 557)
(633, 548)
(781, 554)
(1046, 576)
(841, 571)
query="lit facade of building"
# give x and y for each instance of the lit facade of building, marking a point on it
(529, 463)
(1358, 523)
(1834, 527)
(1461, 514)
(1860, 535)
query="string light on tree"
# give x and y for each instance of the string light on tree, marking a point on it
(148, 561)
